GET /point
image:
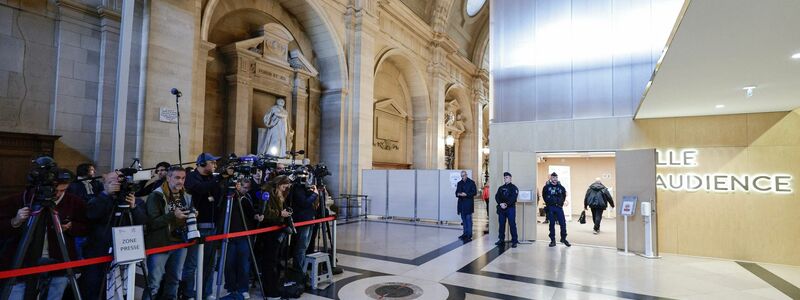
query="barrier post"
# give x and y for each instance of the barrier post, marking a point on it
(333, 261)
(198, 275)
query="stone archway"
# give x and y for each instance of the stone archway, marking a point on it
(313, 35)
(402, 100)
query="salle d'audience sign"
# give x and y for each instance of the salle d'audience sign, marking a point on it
(686, 159)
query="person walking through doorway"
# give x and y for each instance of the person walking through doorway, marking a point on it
(555, 195)
(597, 198)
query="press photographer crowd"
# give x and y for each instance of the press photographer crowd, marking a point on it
(63, 216)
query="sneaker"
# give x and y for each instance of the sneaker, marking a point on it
(246, 295)
(552, 244)
(498, 243)
(566, 243)
(595, 232)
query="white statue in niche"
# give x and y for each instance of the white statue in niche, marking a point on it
(274, 141)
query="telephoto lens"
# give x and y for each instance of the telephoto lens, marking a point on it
(191, 226)
(289, 222)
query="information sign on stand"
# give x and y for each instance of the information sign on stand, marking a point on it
(524, 197)
(627, 209)
(128, 249)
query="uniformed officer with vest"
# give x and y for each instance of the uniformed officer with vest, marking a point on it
(506, 198)
(554, 195)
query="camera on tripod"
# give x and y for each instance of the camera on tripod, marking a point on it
(127, 185)
(43, 177)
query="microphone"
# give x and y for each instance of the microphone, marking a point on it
(176, 92)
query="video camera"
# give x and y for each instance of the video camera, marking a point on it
(245, 166)
(43, 177)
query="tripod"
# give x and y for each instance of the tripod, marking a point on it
(226, 229)
(43, 216)
(122, 216)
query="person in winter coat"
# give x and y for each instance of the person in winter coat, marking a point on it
(597, 198)
(465, 192)
(554, 195)
(506, 198)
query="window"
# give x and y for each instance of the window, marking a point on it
(474, 6)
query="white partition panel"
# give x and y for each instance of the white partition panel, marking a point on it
(402, 193)
(428, 194)
(375, 187)
(448, 202)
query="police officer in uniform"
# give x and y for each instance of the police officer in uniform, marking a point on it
(506, 198)
(554, 195)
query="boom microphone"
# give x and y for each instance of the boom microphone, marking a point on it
(176, 92)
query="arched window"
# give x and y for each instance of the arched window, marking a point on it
(474, 6)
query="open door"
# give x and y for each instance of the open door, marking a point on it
(636, 176)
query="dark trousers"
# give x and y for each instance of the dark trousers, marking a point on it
(509, 214)
(556, 213)
(597, 217)
(92, 281)
(270, 263)
(237, 266)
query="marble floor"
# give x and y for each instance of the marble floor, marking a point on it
(403, 260)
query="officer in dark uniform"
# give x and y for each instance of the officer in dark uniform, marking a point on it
(506, 198)
(554, 195)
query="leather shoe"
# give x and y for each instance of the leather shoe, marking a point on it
(498, 243)
(566, 243)
(552, 244)
(513, 245)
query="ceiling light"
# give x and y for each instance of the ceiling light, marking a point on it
(720, 106)
(749, 90)
(796, 55)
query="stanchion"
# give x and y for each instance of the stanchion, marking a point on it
(198, 275)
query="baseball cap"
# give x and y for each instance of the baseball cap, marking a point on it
(204, 157)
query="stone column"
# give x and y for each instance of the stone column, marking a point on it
(440, 47)
(195, 138)
(240, 100)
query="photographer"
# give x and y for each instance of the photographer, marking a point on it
(99, 212)
(304, 206)
(237, 266)
(15, 212)
(156, 180)
(207, 193)
(85, 189)
(167, 211)
(275, 213)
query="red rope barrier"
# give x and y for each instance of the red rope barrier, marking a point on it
(109, 258)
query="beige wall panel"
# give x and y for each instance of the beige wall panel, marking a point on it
(595, 134)
(668, 209)
(583, 171)
(554, 135)
(774, 129)
(656, 133)
(711, 131)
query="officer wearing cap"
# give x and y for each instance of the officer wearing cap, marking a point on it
(506, 198)
(554, 195)
(206, 194)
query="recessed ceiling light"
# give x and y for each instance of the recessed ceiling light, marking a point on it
(720, 106)
(796, 55)
(749, 90)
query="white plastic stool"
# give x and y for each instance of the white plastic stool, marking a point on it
(314, 259)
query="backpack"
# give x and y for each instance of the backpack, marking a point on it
(291, 289)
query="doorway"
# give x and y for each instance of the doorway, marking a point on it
(577, 171)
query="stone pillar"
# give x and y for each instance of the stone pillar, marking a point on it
(479, 100)
(109, 40)
(300, 89)
(440, 47)
(195, 138)
(355, 144)
(240, 100)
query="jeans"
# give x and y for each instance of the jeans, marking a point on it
(301, 241)
(168, 266)
(509, 214)
(237, 266)
(55, 290)
(556, 213)
(466, 220)
(79, 242)
(597, 217)
(190, 267)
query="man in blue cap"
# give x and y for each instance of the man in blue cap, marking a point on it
(207, 193)
(506, 198)
(554, 195)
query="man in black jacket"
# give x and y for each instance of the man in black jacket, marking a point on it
(304, 203)
(207, 193)
(554, 195)
(506, 198)
(465, 192)
(99, 212)
(597, 197)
